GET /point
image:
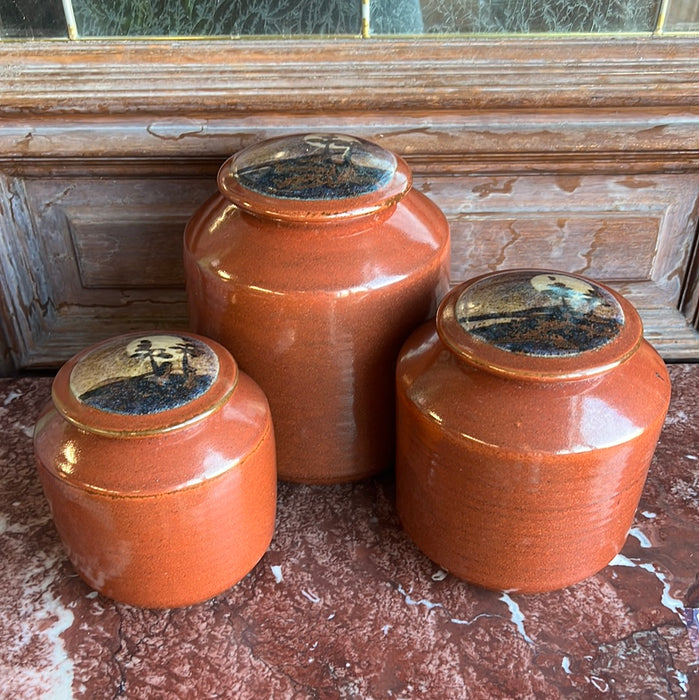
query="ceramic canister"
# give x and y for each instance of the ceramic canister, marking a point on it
(312, 265)
(527, 418)
(157, 459)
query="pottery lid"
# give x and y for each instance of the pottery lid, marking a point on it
(539, 324)
(144, 383)
(313, 177)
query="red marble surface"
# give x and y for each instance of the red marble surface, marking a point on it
(344, 606)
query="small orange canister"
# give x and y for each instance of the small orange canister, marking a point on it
(157, 458)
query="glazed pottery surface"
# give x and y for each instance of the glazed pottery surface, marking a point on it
(157, 458)
(527, 418)
(312, 265)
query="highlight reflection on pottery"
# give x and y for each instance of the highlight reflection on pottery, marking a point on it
(312, 265)
(157, 458)
(527, 418)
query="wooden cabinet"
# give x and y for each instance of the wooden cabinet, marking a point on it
(568, 154)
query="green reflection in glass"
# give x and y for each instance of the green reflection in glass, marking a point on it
(215, 17)
(327, 17)
(396, 17)
(31, 19)
(538, 16)
(182, 18)
(682, 16)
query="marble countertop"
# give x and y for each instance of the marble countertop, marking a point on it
(344, 606)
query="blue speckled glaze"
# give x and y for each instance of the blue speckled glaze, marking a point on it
(150, 374)
(542, 315)
(315, 167)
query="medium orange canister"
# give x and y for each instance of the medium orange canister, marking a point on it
(157, 459)
(527, 419)
(312, 265)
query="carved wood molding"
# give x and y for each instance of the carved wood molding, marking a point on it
(640, 139)
(457, 105)
(309, 76)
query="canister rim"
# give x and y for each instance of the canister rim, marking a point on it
(314, 177)
(539, 324)
(144, 383)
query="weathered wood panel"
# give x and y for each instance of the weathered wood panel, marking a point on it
(125, 233)
(89, 257)
(578, 154)
(610, 228)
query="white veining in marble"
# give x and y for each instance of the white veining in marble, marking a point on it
(43, 618)
(310, 596)
(600, 684)
(682, 680)
(457, 621)
(11, 396)
(642, 539)
(669, 601)
(516, 617)
(412, 601)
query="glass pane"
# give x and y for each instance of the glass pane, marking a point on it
(32, 18)
(216, 17)
(396, 17)
(682, 16)
(125, 18)
(535, 16)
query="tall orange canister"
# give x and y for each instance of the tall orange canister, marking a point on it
(312, 265)
(527, 420)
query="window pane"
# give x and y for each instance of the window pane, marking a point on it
(396, 17)
(216, 17)
(534, 16)
(682, 16)
(32, 18)
(128, 18)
